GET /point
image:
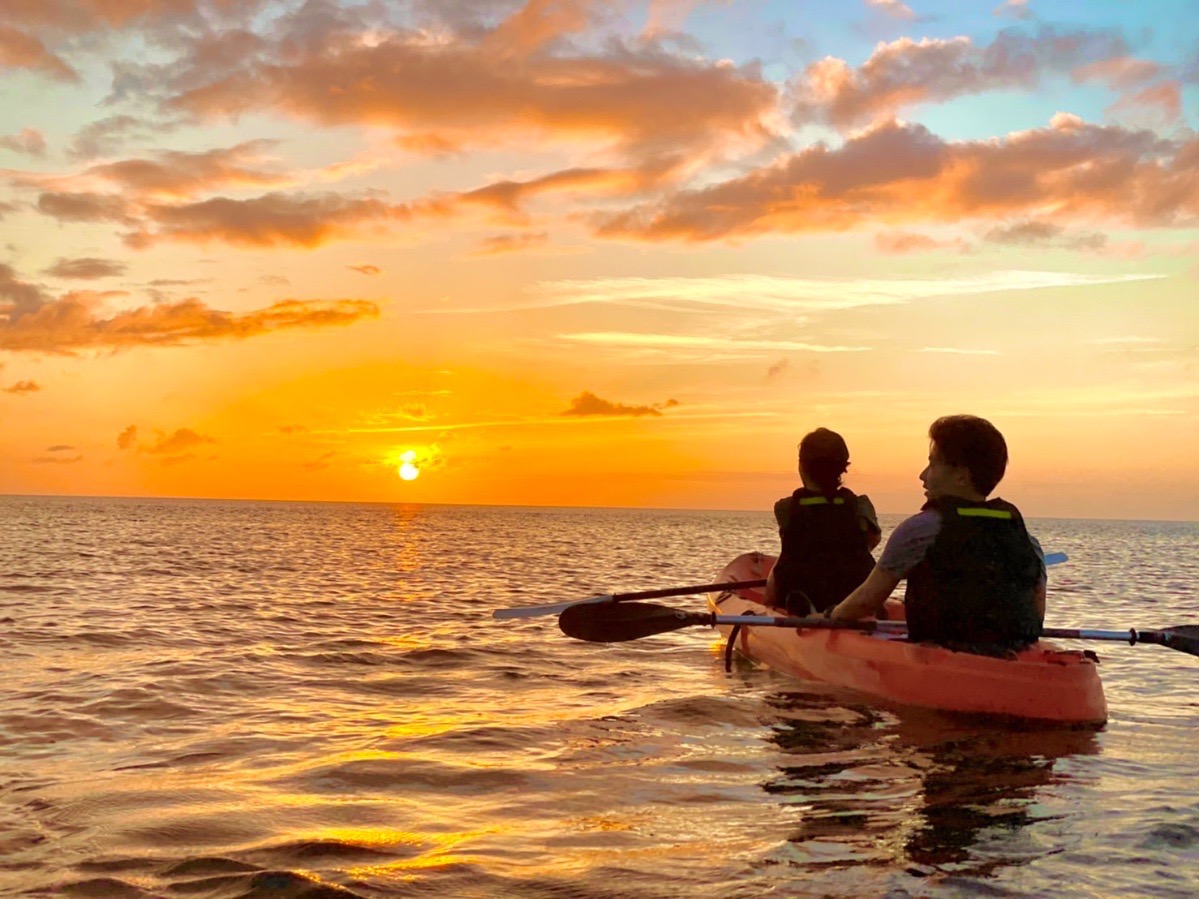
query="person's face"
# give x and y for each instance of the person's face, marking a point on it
(942, 479)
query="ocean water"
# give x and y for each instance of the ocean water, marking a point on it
(230, 699)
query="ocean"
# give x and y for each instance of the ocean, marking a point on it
(236, 699)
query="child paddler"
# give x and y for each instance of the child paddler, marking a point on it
(826, 531)
(976, 577)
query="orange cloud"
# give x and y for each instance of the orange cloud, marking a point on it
(267, 221)
(903, 173)
(181, 175)
(475, 87)
(30, 142)
(1159, 104)
(86, 268)
(1120, 73)
(587, 403)
(19, 50)
(23, 387)
(127, 439)
(84, 207)
(906, 72)
(365, 269)
(903, 242)
(178, 442)
(511, 243)
(893, 8)
(33, 322)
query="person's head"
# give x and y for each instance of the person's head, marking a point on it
(967, 457)
(823, 459)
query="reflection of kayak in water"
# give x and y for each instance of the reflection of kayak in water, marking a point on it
(1043, 682)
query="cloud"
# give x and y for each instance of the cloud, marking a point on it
(1017, 8)
(1118, 73)
(957, 351)
(642, 340)
(1155, 106)
(365, 269)
(271, 220)
(127, 439)
(898, 173)
(59, 448)
(903, 242)
(470, 85)
(86, 268)
(105, 136)
(893, 8)
(587, 403)
(1034, 233)
(321, 462)
(19, 50)
(84, 206)
(173, 174)
(906, 72)
(177, 442)
(511, 243)
(23, 387)
(56, 460)
(29, 142)
(31, 321)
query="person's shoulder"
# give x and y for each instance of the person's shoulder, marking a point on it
(782, 510)
(867, 513)
(923, 522)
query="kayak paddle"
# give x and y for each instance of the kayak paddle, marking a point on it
(612, 623)
(556, 608)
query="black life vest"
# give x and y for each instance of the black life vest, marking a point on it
(824, 556)
(976, 587)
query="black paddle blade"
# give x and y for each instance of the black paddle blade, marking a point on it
(619, 623)
(1184, 638)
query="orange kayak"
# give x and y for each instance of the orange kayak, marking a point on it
(1043, 683)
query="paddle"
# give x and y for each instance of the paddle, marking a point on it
(632, 621)
(556, 608)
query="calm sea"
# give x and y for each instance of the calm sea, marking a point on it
(230, 699)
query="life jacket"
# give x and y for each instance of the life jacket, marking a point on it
(824, 556)
(976, 587)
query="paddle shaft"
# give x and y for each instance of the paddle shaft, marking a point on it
(611, 623)
(558, 607)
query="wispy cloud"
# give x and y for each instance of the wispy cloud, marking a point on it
(958, 351)
(33, 321)
(86, 268)
(587, 403)
(695, 342)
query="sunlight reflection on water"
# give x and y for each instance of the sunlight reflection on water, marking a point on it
(240, 699)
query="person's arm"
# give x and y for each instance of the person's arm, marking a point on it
(868, 598)
(868, 519)
(770, 594)
(1039, 599)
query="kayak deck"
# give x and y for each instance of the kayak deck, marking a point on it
(1043, 683)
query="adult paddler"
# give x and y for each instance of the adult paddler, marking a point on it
(976, 579)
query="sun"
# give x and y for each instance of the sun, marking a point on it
(408, 470)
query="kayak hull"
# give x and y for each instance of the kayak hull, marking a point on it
(1043, 683)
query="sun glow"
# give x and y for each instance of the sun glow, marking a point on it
(408, 470)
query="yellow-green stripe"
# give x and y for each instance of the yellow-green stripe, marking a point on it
(984, 513)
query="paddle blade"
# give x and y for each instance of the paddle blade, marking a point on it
(1184, 638)
(612, 623)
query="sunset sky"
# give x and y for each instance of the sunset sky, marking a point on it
(594, 252)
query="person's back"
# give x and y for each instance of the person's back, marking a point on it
(975, 586)
(976, 579)
(825, 530)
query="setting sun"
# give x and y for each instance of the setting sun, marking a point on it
(408, 469)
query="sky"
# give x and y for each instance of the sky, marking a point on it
(596, 252)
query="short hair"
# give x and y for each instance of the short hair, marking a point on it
(824, 457)
(972, 443)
